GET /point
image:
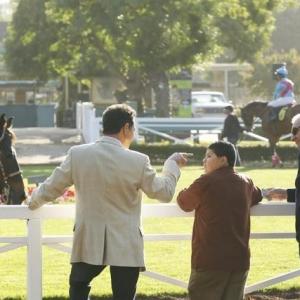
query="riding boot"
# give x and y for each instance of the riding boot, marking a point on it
(79, 292)
(273, 114)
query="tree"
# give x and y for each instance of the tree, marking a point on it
(287, 36)
(261, 81)
(137, 41)
(28, 41)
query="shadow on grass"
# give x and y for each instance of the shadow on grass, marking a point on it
(275, 294)
(270, 294)
(139, 297)
(249, 166)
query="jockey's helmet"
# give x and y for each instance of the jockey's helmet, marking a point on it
(282, 72)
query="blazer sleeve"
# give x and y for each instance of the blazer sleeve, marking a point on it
(224, 132)
(54, 186)
(238, 125)
(161, 187)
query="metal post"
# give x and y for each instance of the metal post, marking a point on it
(66, 92)
(34, 259)
(226, 84)
(79, 88)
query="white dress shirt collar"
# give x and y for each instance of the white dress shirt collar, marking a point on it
(110, 140)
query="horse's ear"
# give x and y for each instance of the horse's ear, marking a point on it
(2, 120)
(9, 122)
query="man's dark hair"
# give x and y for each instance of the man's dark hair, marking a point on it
(226, 149)
(116, 116)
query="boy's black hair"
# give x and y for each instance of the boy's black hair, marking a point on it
(226, 149)
(116, 116)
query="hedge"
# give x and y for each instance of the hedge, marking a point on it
(249, 151)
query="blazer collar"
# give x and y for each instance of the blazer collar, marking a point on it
(110, 140)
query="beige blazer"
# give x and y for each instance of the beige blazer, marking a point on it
(109, 181)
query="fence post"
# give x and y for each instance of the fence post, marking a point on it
(79, 116)
(34, 259)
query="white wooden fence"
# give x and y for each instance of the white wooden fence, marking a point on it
(87, 122)
(34, 240)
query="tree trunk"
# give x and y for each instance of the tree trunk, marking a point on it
(160, 85)
(136, 91)
(65, 113)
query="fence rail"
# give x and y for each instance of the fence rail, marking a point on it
(177, 130)
(34, 240)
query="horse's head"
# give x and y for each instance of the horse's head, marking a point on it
(248, 118)
(251, 110)
(11, 182)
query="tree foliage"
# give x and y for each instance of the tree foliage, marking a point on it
(28, 40)
(261, 80)
(137, 41)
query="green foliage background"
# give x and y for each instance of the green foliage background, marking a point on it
(135, 41)
(249, 151)
(261, 82)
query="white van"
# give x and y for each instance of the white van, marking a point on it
(208, 103)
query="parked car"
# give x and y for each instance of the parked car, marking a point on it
(208, 102)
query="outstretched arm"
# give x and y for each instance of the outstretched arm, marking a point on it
(53, 186)
(163, 187)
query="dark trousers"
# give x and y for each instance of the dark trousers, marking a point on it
(123, 281)
(217, 285)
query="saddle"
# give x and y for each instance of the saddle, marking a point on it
(282, 113)
(278, 113)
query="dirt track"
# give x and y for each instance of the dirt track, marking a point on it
(44, 145)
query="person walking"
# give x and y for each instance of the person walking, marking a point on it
(222, 199)
(232, 130)
(109, 180)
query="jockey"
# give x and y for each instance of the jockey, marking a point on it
(284, 92)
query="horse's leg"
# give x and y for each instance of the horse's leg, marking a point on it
(272, 147)
(276, 160)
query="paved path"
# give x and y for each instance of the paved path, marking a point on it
(44, 145)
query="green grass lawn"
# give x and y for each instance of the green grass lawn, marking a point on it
(269, 257)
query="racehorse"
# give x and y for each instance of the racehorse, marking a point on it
(273, 130)
(12, 190)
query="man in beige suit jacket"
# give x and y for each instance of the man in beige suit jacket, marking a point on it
(109, 180)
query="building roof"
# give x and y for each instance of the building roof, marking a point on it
(18, 84)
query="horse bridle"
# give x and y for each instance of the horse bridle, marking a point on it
(4, 187)
(4, 192)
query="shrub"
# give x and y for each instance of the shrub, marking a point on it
(249, 151)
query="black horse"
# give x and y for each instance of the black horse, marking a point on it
(12, 190)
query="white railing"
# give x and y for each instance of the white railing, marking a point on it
(90, 125)
(199, 128)
(35, 239)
